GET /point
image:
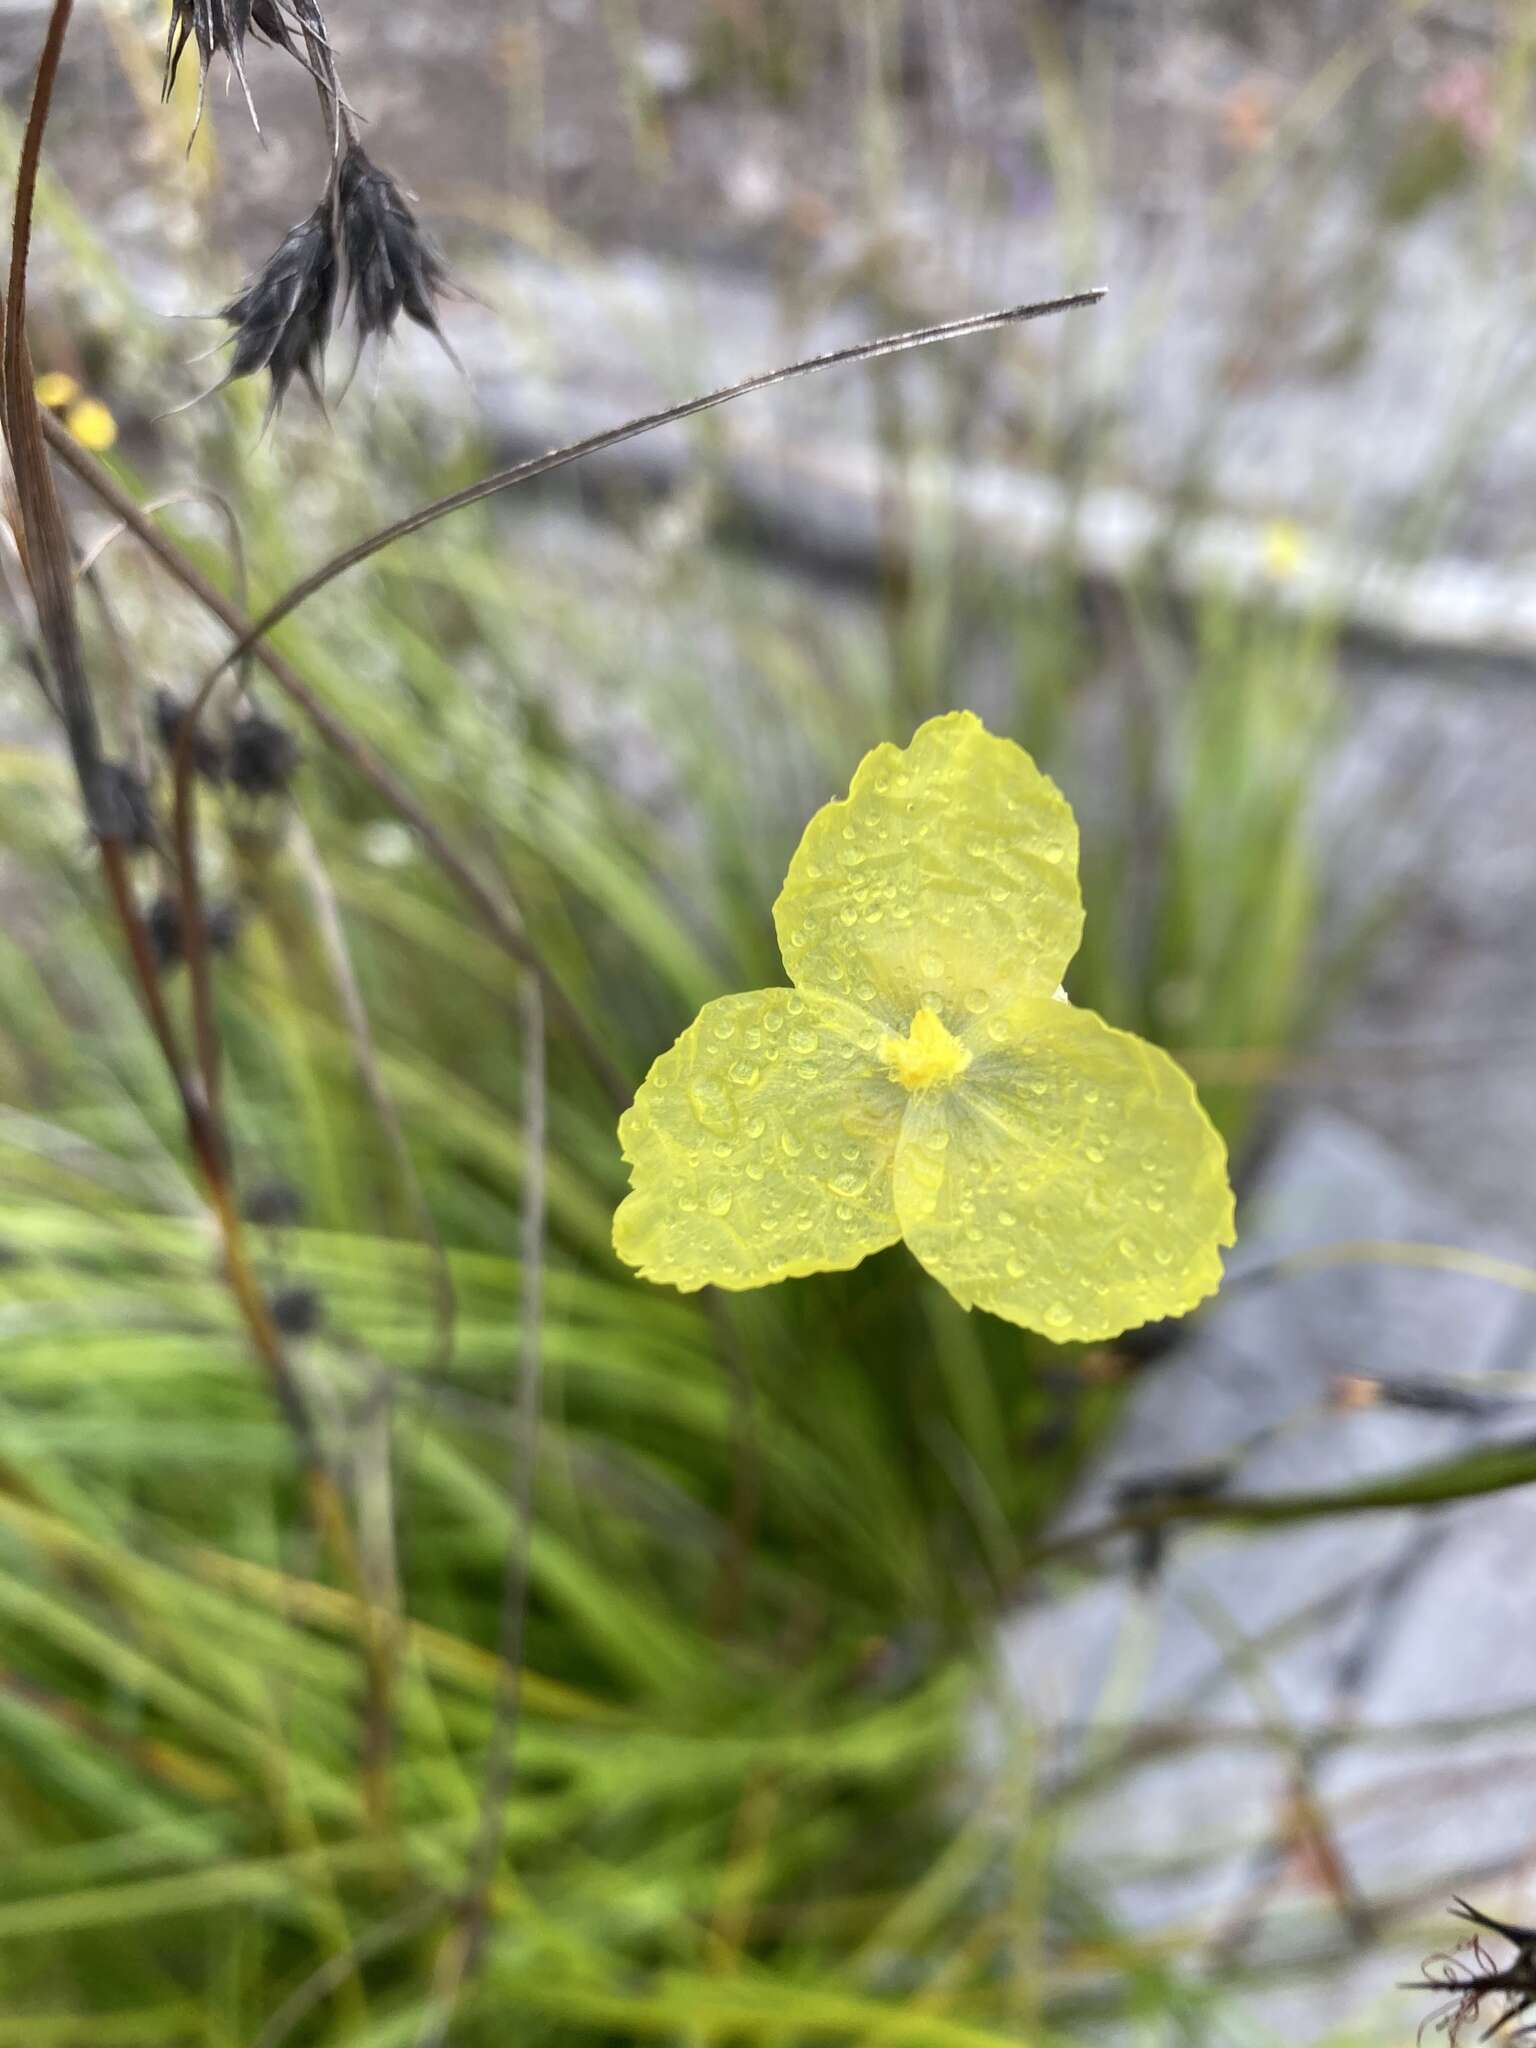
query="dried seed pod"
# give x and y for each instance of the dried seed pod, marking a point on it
(275, 1204)
(297, 1311)
(389, 264)
(120, 807)
(167, 937)
(282, 320)
(220, 28)
(170, 715)
(263, 755)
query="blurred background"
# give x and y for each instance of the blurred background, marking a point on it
(842, 1718)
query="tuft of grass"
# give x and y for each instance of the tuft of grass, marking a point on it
(770, 1534)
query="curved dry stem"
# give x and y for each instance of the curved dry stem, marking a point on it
(497, 914)
(646, 423)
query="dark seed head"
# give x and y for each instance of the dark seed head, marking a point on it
(282, 320)
(120, 808)
(167, 936)
(297, 1311)
(263, 755)
(220, 28)
(389, 264)
(170, 716)
(274, 1204)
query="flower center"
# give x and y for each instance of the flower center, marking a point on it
(928, 1057)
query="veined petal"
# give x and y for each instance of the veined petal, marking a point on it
(945, 880)
(762, 1146)
(1069, 1180)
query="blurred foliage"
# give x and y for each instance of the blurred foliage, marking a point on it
(771, 1533)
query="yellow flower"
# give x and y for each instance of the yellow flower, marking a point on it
(1286, 552)
(925, 1079)
(55, 388)
(92, 425)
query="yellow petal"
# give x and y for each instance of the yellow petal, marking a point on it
(946, 880)
(1068, 1180)
(761, 1146)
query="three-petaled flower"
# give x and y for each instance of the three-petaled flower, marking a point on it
(924, 1077)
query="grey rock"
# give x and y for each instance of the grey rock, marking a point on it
(1280, 1744)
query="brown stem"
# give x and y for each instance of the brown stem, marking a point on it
(50, 570)
(498, 915)
(631, 430)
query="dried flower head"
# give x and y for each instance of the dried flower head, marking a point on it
(282, 320)
(120, 807)
(263, 755)
(389, 264)
(220, 28)
(1469, 1976)
(170, 716)
(297, 1311)
(167, 935)
(274, 1204)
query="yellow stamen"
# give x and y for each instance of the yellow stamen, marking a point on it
(928, 1057)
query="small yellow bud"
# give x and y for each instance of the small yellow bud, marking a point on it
(56, 389)
(92, 425)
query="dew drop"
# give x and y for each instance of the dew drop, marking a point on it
(790, 1145)
(712, 1105)
(718, 1201)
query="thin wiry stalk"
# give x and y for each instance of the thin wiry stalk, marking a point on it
(336, 1970)
(50, 571)
(42, 535)
(1494, 1468)
(646, 423)
(499, 916)
(338, 954)
(459, 1957)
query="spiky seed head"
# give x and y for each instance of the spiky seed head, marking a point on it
(263, 756)
(170, 717)
(282, 320)
(120, 807)
(297, 1311)
(167, 932)
(389, 264)
(220, 28)
(274, 1204)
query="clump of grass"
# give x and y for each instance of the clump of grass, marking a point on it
(252, 1646)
